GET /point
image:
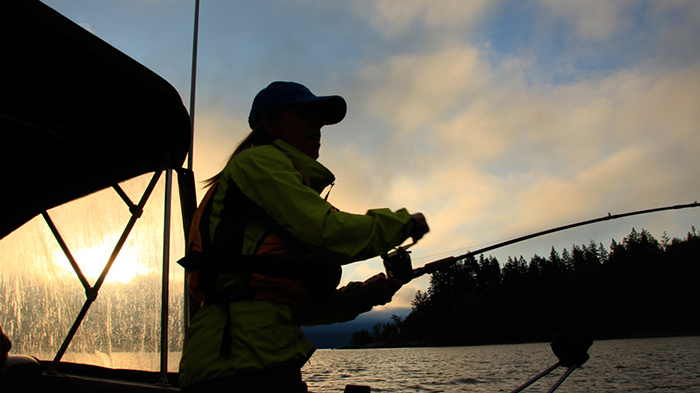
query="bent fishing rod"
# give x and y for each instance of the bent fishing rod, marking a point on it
(571, 347)
(398, 261)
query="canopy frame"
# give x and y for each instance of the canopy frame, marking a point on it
(78, 116)
(91, 291)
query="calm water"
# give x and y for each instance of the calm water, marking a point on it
(639, 365)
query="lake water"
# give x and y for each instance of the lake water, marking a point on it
(659, 365)
(635, 365)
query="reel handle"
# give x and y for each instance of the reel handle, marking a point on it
(398, 264)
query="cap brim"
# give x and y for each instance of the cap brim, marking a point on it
(333, 108)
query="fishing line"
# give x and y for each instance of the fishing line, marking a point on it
(464, 248)
(398, 263)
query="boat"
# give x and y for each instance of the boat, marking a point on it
(79, 116)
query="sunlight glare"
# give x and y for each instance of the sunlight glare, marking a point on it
(92, 261)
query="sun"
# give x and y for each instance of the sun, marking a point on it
(92, 261)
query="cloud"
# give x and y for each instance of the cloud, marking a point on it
(412, 90)
(395, 19)
(594, 21)
(517, 160)
(401, 299)
(678, 23)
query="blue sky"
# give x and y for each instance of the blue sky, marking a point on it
(494, 118)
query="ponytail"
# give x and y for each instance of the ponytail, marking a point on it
(256, 137)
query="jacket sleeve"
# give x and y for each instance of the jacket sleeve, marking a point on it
(269, 179)
(346, 304)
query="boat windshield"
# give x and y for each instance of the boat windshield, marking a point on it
(41, 294)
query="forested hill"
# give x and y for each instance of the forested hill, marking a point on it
(638, 287)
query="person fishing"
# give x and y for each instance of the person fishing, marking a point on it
(265, 251)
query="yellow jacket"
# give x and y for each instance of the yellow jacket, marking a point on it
(267, 203)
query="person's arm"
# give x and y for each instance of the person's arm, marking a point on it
(352, 300)
(270, 180)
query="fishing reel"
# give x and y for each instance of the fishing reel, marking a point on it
(398, 264)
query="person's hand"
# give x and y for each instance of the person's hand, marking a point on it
(379, 289)
(420, 226)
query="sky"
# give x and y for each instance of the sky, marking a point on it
(495, 119)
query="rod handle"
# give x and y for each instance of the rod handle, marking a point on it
(434, 266)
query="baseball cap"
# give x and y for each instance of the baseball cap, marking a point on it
(278, 93)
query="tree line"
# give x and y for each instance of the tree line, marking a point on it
(639, 287)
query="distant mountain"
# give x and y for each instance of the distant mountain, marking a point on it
(339, 334)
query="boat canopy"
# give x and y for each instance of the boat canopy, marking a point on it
(76, 114)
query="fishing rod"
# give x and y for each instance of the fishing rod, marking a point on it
(571, 348)
(398, 261)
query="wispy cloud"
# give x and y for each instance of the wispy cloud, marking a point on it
(408, 91)
(592, 20)
(396, 19)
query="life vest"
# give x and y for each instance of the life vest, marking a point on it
(270, 274)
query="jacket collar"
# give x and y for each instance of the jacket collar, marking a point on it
(318, 176)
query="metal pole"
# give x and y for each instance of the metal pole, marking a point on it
(186, 301)
(536, 378)
(193, 83)
(562, 379)
(66, 250)
(165, 290)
